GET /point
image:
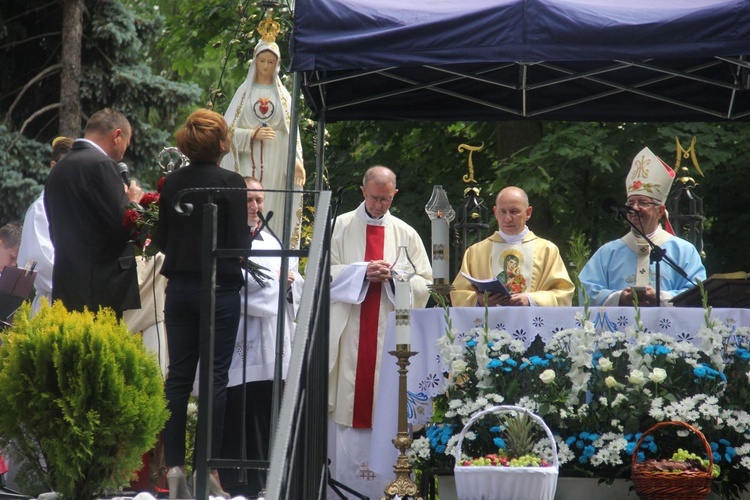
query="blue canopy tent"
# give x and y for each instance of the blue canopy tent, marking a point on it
(496, 60)
(584, 60)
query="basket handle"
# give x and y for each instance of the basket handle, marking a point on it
(506, 408)
(677, 423)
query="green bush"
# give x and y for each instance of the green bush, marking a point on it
(80, 399)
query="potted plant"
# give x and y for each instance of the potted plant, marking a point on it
(81, 399)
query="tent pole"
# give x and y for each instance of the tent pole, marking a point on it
(320, 149)
(286, 243)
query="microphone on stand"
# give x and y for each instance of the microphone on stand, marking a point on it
(336, 206)
(123, 169)
(610, 205)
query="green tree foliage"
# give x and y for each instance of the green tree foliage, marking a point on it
(24, 164)
(82, 400)
(215, 54)
(567, 170)
(115, 59)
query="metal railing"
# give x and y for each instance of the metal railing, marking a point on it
(299, 458)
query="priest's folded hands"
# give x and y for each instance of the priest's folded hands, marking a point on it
(378, 271)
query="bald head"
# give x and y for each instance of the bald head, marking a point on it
(512, 193)
(512, 210)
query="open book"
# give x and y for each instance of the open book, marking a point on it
(492, 285)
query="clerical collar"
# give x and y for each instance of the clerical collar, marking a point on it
(514, 238)
(368, 219)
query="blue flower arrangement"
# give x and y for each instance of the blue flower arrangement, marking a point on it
(599, 391)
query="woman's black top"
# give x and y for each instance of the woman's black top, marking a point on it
(179, 236)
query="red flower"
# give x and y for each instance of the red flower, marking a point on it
(160, 184)
(637, 185)
(130, 220)
(148, 199)
(141, 219)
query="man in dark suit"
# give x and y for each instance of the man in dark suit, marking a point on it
(85, 200)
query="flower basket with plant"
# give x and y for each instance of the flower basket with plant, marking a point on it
(515, 473)
(685, 476)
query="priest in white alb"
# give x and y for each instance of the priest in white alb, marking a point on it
(363, 247)
(254, 359)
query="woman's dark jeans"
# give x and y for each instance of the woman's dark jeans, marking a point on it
(182, 318)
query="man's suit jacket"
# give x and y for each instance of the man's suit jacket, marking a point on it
(85, 203)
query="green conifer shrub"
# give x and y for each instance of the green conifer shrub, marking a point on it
(81, 400)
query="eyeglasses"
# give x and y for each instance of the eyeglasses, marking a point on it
(380, 199)
(642, 204)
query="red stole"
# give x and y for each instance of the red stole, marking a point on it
(364, 383)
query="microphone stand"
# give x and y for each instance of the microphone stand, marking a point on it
(336, 207)
(656, 256)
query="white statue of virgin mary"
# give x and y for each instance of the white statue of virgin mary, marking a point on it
(259, 120)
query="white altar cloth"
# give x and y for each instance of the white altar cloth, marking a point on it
(425, 376)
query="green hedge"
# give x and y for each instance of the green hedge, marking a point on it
(80, 401)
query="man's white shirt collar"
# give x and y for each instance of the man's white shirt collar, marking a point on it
(514, 238)
(93, 144)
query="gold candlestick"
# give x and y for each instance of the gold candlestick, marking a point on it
(402, 486)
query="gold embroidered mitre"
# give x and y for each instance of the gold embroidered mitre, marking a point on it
(649, 176)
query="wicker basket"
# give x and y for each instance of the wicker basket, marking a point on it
(688, 485)
(506, 483)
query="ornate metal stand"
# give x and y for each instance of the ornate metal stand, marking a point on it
(402, 486)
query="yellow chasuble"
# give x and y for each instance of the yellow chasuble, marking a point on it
(532, 266)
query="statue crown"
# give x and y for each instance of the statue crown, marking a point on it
(268, 29)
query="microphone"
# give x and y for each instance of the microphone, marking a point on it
(123, 169)
(610, 205)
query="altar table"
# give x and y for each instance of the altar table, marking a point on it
(425, 376)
